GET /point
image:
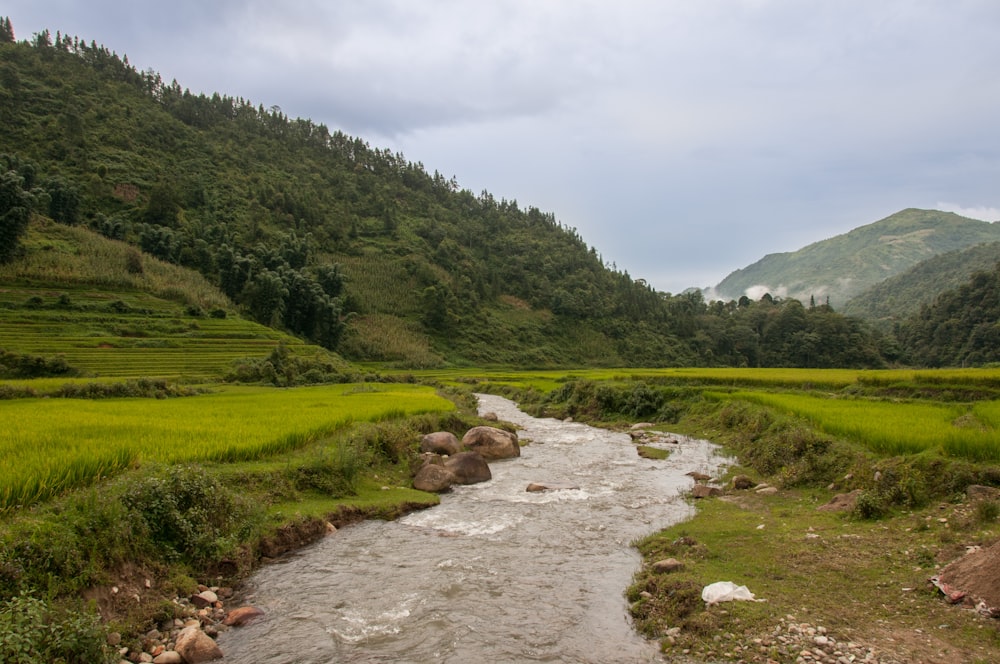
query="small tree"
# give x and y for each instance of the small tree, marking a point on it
(15, 212)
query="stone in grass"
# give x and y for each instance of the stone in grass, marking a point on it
(705, 491)
(667, 565)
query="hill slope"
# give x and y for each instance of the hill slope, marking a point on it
(903, 295)
(71, 298)
(317, 234)
(842, 267)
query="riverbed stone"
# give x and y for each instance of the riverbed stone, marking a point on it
(241, 616)
(434, 478)
(537, 487)
(204, 598)
(492, 443)
(469, 468)
(168, 657)
(441, 442)
(195, 646)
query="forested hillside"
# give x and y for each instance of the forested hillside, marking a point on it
(348, 246)
(902, 296)
(960, 328)
(839, 268)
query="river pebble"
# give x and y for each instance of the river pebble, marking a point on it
(205, 610)
(792, 641)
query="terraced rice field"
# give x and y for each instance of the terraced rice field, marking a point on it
(129, 335)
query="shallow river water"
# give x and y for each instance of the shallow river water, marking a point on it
(492, 574)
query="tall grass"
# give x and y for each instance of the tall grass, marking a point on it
(50, 445)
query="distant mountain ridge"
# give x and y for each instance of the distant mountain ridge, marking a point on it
(839, 268)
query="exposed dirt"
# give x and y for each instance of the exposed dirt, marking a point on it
(977, 574)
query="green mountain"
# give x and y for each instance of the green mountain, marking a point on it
(844, 266)
(902, 296)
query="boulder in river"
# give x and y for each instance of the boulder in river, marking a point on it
(492, 443)
(440, 442)
(469, 468)
(241, 616)
(434, 478)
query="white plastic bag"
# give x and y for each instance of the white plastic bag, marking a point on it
(726, 591)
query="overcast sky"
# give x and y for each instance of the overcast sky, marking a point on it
(683, 139)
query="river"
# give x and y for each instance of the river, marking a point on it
(492, 574)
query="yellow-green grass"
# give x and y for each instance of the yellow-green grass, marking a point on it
(816, 379)
(892, 428)
(49, 445)
(831, 379)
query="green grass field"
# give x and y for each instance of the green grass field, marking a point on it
(896, 428)
(50, 445)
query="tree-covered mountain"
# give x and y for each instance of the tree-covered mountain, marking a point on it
(839, 268)
(900, 297)
(351, 247)
(960, 328)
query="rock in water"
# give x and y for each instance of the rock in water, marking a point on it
(434, 478)
(196, 646)
(492, 443)
(469, 468)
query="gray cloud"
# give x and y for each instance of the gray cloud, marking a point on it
(683, 140)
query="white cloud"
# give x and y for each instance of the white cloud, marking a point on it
(977, 212)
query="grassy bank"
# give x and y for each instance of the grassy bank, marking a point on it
(123, 547)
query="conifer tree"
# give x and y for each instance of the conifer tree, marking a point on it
(6, 30)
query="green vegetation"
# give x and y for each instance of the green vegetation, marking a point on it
(901, 297)
(891, 429)
(960, 328)
(51, 445)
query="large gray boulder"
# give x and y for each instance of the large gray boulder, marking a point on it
(492, 443)
(440, 442)
(469, 468)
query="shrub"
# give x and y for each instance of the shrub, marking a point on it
(34, 632)
(334, 472)
(987, 511)
(869, 506)
(188, 514)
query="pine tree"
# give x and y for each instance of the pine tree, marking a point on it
(6, 30)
